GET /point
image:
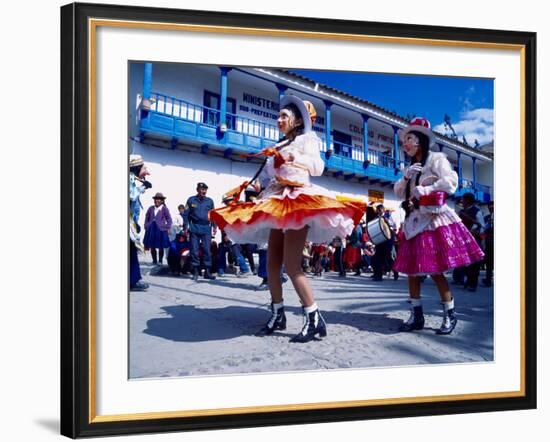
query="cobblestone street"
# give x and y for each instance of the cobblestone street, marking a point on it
(184, 328)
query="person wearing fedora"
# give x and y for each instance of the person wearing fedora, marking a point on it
(158, 223)
(201, 230)
(250, 194)
(137, 186)
(433, 238)
(289, 210)
(226, 248)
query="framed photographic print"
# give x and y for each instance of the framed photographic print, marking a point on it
(275, 220)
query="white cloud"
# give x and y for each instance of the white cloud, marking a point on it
(467, 104)
(474, 124)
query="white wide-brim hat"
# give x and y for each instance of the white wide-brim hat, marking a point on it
(292, 99)
(419, 124)
(135, 160)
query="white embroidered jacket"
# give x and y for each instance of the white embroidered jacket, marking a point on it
(437, 175)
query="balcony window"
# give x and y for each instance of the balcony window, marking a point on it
(342, 144)
(211, 115)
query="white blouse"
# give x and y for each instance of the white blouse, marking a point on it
(307, 161)
(437, 171)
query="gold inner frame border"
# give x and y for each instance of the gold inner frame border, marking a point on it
(93, 24)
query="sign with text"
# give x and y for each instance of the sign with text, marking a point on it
(376, 196)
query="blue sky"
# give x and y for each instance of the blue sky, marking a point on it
(468, 101)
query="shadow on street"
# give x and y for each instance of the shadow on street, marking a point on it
(187, 323)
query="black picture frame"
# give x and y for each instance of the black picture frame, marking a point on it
(77, 417)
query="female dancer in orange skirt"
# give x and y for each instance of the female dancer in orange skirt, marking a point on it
(289, 210)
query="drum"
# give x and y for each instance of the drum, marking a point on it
(378, 230)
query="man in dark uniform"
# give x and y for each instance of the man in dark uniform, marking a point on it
(472, 218)
(488, 233)
(201, 230)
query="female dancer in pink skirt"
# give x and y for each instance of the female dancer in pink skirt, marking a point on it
(432, 239)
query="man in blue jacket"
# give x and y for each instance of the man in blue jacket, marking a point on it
(201, 230)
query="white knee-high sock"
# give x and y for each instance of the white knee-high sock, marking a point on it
(415, 302)
(449, 305)
(311, 308)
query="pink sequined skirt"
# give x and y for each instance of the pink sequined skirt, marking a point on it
(436, 251)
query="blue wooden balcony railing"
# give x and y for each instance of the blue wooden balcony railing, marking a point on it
(166, 105)
(248, 134)
(351, 160)
(483, 188)
(237, 123)
(480, 191)
(179, 120)
(469, 184)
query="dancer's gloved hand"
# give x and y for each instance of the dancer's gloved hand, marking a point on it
(412, 170)
(419, 191)
(147, 184)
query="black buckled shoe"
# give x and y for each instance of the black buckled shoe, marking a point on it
(277, 321)
(415, 321)
(449, 322)
(139, 286)
(195, 274)
(208, 275)
(313, 324)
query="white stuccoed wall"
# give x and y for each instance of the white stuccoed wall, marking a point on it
(176, 173)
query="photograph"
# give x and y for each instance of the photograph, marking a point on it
(272, 220)
(285, 220)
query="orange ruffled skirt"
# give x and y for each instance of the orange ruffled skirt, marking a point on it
(290, 209)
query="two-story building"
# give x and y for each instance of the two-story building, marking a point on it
(194, 123)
